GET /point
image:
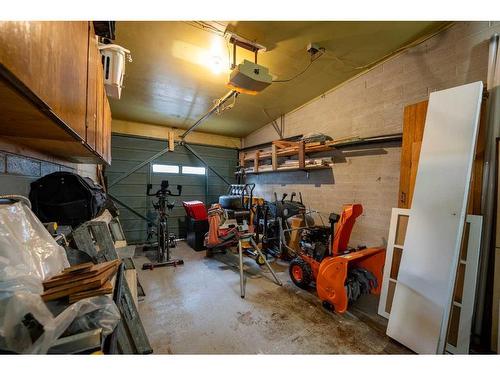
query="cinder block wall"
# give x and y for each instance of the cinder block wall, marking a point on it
(19, 166)
(372, 104)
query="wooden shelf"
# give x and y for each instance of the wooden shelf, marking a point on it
(286, 148)
(282, 148)
(291, 169)
(290, 151)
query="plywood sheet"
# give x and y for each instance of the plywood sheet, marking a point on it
(424, 290)
(413, 130)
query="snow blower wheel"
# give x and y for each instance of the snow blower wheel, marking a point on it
(300, 273)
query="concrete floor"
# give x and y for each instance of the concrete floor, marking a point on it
(196, 309)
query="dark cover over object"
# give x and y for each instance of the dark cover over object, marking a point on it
(196, 230)
(67, 198)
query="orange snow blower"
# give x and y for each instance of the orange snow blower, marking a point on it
(342, 274)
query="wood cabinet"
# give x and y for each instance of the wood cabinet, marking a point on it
(92, 84)
(52, 88)
(106, 152)
(100, 113)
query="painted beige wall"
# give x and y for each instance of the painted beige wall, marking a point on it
(158, 131)
(372, 104)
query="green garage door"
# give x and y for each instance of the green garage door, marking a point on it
(128, 151)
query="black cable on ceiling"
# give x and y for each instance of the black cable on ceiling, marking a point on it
(313, 59)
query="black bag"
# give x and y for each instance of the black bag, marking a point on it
(67, 198)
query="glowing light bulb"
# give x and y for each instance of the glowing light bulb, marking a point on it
(216, 64)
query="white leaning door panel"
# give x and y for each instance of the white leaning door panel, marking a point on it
(389, 255)
(426, 274)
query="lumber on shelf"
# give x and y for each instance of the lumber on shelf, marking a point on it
(289, 169)
(280, 151)
(287, 148)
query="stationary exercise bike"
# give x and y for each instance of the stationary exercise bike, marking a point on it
(162, 206)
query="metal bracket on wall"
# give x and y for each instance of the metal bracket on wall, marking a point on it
(137, 167)
(278, 128)
(190, 149)
(131, 209)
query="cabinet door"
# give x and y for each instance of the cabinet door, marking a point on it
(100, 110)
(50, 58)
(93, 65)
(107, 131)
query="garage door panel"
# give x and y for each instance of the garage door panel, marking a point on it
(128, 151)
(122, 166)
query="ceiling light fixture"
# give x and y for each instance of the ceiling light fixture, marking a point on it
(216, 65)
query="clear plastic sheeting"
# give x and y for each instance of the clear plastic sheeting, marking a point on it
(28, 255)
(27, 250)
(28, 327)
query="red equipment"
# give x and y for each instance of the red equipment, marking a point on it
(341, 274)
(195, 209)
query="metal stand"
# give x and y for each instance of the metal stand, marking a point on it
(240, 252)
(163, 256)
(256, 248)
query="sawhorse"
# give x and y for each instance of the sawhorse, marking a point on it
(249, 237)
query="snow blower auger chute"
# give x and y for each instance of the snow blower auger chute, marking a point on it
(341, 274)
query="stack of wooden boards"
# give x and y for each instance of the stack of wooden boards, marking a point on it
(81, 281)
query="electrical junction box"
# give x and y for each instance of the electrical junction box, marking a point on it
(249, 78)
